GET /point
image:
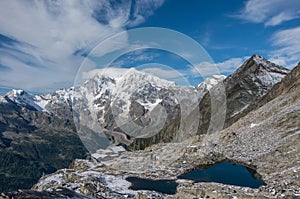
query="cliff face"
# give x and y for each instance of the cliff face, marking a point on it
(289, 83)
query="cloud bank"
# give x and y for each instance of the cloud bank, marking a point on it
(42, 42)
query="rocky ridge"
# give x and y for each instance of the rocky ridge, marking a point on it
(245, 86)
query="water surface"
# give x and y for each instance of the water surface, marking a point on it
(225, 173)
(162, 186)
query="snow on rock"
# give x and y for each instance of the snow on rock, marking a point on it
(270, 73)
(253, 125)
(22, 98)
(118, 184)
(113, 86)
(208, 83)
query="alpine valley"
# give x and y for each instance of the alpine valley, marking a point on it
(85, 141)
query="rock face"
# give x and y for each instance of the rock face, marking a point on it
(134, 109)
(266, 139)
(32, 142)
(289, 83)
(247, 85)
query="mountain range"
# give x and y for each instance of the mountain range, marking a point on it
(43, 133)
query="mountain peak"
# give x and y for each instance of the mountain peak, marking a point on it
(208, 83)
(257, 56)
(261, 60)
(257, 64)
(20, 97)
(17, 93)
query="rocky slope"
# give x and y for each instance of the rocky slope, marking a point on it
(32, 142)
(246, 85)
(266, 139)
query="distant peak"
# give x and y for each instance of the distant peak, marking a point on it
(130, 71)
(211, 81)
(257, 64)
(259, 59)
(18, 92)
(15, 93)
(256, 60)
(133, 70)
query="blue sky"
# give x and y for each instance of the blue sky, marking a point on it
(43, 43)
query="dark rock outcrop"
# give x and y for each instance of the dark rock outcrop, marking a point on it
(33, 143)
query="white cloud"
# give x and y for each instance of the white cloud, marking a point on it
(227, 66)
(271, 13)
(143, 9)
(230, 65)
(132, 58)
(48, 33)
(280, 18)
(287, 52)
(163, 71)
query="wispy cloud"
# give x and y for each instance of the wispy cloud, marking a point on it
(135, 58)
(271, 13)
(48, 34)
(287, 42)
(225, 67)
(142, 10)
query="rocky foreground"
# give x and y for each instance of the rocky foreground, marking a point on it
(267, 139)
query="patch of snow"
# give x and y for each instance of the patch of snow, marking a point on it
(118, 149)
(253, 125)
(270, 78)
(118, 184)
(208, 83)
(99, 156)
(148, 105)
(51, 179)
(41, 102)
(239, 111)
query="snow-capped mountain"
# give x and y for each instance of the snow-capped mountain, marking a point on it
(20, 97)
(208, 83)
(119, 103)
(113, 101)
